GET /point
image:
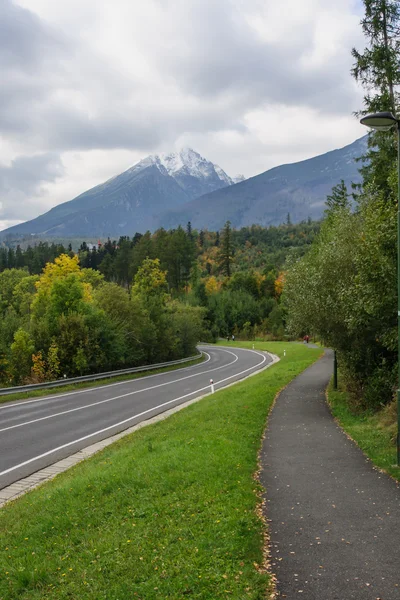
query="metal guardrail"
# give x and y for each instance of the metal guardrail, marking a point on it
(62, 382)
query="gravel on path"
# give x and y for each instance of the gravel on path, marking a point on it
(334, 520)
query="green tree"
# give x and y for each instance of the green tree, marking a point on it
(150, 281)
(106, 267)
(91, 277)
(72, 334)
(377, 68)
(246, 281)
(225, 256)
(339, 197)
(80, 361)
(22, 349)
(122, 263)
(19, 258)
(9, 324)
(187, 327)
(5, 374)
(128, 321)
(230, 310)
(143, 249)
(344, 290)
(66, 297)
(23, 295)
(9, 280)
(53, 362)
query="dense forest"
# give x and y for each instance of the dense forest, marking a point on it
(137, 300)
(345, 289)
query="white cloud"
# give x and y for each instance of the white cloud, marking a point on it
(96, 86)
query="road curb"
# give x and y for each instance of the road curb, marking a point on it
(18, 488)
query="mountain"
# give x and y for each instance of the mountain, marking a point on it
(238, 178)
(168, 190)
(298, 189)
(131, 201)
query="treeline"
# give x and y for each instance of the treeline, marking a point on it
(139, 300)
(345, 289)
(33, 259)
(253, 247)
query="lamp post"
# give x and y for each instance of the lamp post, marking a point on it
(384, 121)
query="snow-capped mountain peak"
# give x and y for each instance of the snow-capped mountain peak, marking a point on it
(187, 160)
(223, 176)
(183, 164)
(194, 174)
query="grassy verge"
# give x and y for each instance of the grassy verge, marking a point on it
(91, 384)
(167, 512)
(371, 432)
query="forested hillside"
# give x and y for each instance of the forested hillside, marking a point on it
(143, 299)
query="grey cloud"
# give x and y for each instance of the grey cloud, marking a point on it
(216, 52)
(31, 60)
(58, 127)
(23, 180)
(24, 39)
(207, 50)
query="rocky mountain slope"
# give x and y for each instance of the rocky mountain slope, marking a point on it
(168, 190)
(297, 189)
(131, 201)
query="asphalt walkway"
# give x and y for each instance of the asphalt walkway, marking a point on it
(334, 520)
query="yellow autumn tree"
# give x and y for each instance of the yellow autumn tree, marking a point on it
(212, 285)
(150, 280)
(62, 267)
(279, 283)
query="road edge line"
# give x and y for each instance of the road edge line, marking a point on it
(21, 487)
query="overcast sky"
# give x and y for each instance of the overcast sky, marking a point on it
(90, 87)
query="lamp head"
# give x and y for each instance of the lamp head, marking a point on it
(381, 121)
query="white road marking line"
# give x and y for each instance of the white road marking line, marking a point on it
(102, 387)
(71, 410)
(86, 437)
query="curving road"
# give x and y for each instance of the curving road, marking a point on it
(36, 433)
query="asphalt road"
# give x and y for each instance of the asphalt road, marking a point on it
(36, 433)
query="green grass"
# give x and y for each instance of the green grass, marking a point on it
(167, 512)
(373, 433)
(91, 384)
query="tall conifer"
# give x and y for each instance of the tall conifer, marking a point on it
(377, 68)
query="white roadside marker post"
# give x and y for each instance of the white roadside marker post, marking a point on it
(284, 353)
(212, 386)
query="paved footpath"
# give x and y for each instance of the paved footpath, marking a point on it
(334, 520)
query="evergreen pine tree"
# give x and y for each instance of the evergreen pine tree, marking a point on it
(377, 68)
(225, 253)
(19, 258)
(339, 198)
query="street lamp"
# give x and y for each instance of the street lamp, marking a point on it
(384, 121)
